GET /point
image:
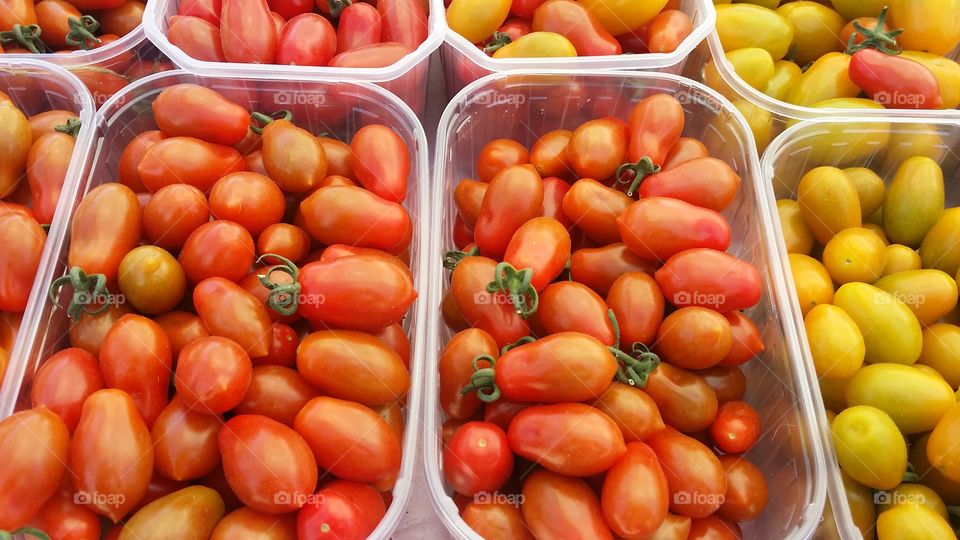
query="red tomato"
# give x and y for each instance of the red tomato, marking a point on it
(655, 126)
(468, 196)
(173, 213)
(667, 30)
(267, 464)
(307, 39)
(599, 268)
(554, 189)
(23, 241)
(106, 225)
(47, 164)
(62, 517)
(747, 341)
(248, 523)
(895, 82)
(283, 347)
(251, 284)
(503, 411)
(368, 499)
(598, 147)
(404, 21)
(48, 121)
(525, 8)
(567, 438)
(185, 441)
(340, 364)
(132, 155)
(684, 150)
(489, 312)
(701, 181)
(498, 155)
(197, 37)
(249, 199)
(252, 36)
(632, 410)
(746, 495)
(685, 400)
(541, 245)
(276, 392)
(355, 216)
(658, 228)
(191, 110)
(217, 249)
(714, 528)
(694, 474)
(286, 240)
(332, 514)
(289, 9)
(359, 25)
(709, 278)
(674, 527)
(54, 16)
(729, 383)
(181, 328)
(33, 450)
(293, 157)
(381, 161)
(694, 338)
(477, 459)
(595, 208)
(135, 357)
(512, 30)
(514, 197)
(349, 440)
(492, 519)
(736, 428)
(213, 374)
(208, 10)
(88, 331)
(185, 160)
(573, 21)
(632, 512)
(64, 382)
(371, 56)
(111, 454)
(638, 305)
(395, 337)
(549, 154)
(568, 306)
(338, 152)
(554, 505)
(456, 369)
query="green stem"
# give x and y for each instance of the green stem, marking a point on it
(635, 368)
(87, 289)
(31, 531)
(497, 42)
(484, 380)
(875, 38)
(507, 279)
(634, 173)
(27, 37)
(72, 127)
(452, 258)
(82, 32)
(337, 6)
(522, 341)
(283, 296)
(259, 120)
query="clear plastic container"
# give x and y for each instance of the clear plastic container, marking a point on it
(768, 116)
(406, 78)
(522, 106)
(881, 145)
(38, 87)
(464, 62)
(340, 108)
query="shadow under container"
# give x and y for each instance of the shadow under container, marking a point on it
(522, 106)
(339, 108)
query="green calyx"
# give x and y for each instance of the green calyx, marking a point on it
(516, 283)
(87, 290)
(483, 380)
(634, 173)
(875, 38)
(283, 297)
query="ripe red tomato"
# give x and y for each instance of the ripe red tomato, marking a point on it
(380, 161)
(747, 341)
(514, 197)
(456, 368)
(135, 357)
(227, 310)
(173, 213)
(345, 214)
(695, 476)
(658, 228)
(404, 21)
(633, 512)
(88, 332)
(492, 313)
(248, 199)
(694, 338)
(702, 181)
(372, 56)
(191, 110)
(599, 268)
(736, 428)
(197, 37)
(306, 39)
(714, 528)
(181, 328)
(62, 517)
(632, 409)
(276, 392)
(554, 505)
(503, 411)
(267, 464)
(248, 523)
(23, 241)
(477, 459)
(685, 400)
(595, 208)
(549, 154)
(332, 513)
(568, 306)
(894, 81)
(251, 37)
(213, 374)
(106, 225)
(496, 520)
(185, 441)
(284, 341)
(567, 438)
(729, 383)
(638, 305)
(573, 21)
(359, 25)
(132, 155)
(598, 147)
(292, 156)
(395, 337)
(185, 160)
(655, 126)
(286, 240)
(64, 382)
(542, 245)
(709, 278)
(554, 189)
(47, 164)
(217, 248)
(684, 150)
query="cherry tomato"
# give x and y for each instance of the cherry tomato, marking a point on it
(344, 215)
(694, 338)
(197, 37)
(489, 312)
(684, 150)
(88, 332)
(404, 21)
(660, 227)
(599, 268)
(286, 240)
(47, 164)
(267, 464)
(638, 305)
(151, 280)
(632, 512)
(48, 121)
(554, 505)
(714, 528)
(468, 196)
(567, 438)
(746, 495)
(709, 278)
(456, 368)
(895, 82)
(23, 239)
(668, 30)
(736, 428)
(554, 189)
(276, 392)
(293, 157)
(694, 474)
(371, 56)
(747, 341)
(185, 441)
(252, 36)
(62, 517)
(569, 306)
(549, 154)
(191, 512)
(212, 375)
(122, 19)
(335, 513)
(598, 147)
(217, 249)
(33, 446)
(477, 20)
(307, 39)
(181, 328)
(477, 459)
(654, 128)
(249, 199)
(395, 337)
(381, 161)
(701, 181)
(542, 245)
(248, 523)
(16, 137)
(135, 357)
(338, 152)
(349, 440)
(64, 382)
(190, 110)
(922, 32)
(173, 213)
(595, 208)
(493, 519)
(111, 454)
(106, 225)
(728, 382)
(515, 196)
(185, 160)
(576, 23)
(132, 155)
(632, 410)
(360, 24)
(513, 29)
(685, 400)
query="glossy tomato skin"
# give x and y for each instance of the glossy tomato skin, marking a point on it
(658, 228)
(691, 468)
(404, 21)
(598, 147)
(638, 305)
(361, 292)
(331, 513)
(372, 56)
(227, 310)
(191, 512)
(351, 365)
(709, 278)
(736, 428)
(572, 20)
(599, 268)
(173, 213)
(285, 240)
(111, 453)
(380, 161)
(135, 357)
(276, 392)
(895, 82)
(343, 215)
(595, 208)
(293, 157)
(702, 181)
(64, 382)
(746, 495)
(549, 154)
(22, 235)
(197, 37)
(568, 306)
(360, 25)
(252, 38)
(632, 410)
(190, 110)
(568, 366)
(181, 328)
(747, 341)
(185, 442)
(349, 440)
(34, 446)
(655, 126)
(727, 382)
(456, 368)
(515, 196)
(62, 517)
(220, 248)
(47, 164)
(684, 150)
(554, 505)
(151, 280)
(694, 338)
(261, 458)
(213, 374)
(177, 160)
(632, 512)
(249, 199)
(685, 400)
(88, 332)
(395, 337)
(106, 225)
(496, 520)
(307, 39)
(248, 523)
(477, 459)
(567, 438)
(479, 308)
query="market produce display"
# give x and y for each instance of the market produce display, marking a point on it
(236, 363)
(335, 33)
(559, 28)
(853, 55)
(592, 385)
(50, 26)
(874, 264)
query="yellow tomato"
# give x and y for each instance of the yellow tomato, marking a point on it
(753, 64)
(812, 282)
(836, 344)
(942, 448)
(948, 490)
(829, 202)
(941, 351)
(870, 189)
(928, 25)
(477, 20)
(914, 201)
(854, 254)
(827, 78)
(900, 258)
(912, 495)
(858, 433)
(914, 398)
(912, 523)
(622, 16)
(911, 140)
(877, 230)
(816, 29)
(786, 75)
(843, 143)
(940, 248)
(537, 45)
(930, 294)
(796, 233)
(745, 25)
(890, 330)
(759, 120)
(151, 279)
(862, 509)
(851, 9)
(834, 393)
(945, 70)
